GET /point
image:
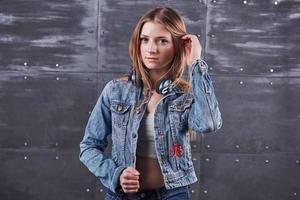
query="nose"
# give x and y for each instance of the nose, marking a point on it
(152, 48)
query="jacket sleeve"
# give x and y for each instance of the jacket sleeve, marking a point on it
(95, 141)
(205, 115)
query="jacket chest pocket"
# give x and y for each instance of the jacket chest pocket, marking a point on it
(179, 112)
(120, 114)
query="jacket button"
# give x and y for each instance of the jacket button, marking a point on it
(120, 108)
(134, 135)
(143, 195)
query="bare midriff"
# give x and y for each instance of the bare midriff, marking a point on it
(150, 173)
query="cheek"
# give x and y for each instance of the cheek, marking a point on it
(142, 49)
(169, 53)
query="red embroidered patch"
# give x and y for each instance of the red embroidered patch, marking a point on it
(177, 150)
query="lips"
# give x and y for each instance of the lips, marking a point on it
(152, 58)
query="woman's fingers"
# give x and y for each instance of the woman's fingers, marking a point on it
(192, 48)
(131, 177)
(131, 191)
(130, 186)
(129, 180)
(133, 171)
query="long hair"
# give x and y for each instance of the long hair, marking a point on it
(175, 25)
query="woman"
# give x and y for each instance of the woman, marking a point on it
(150, 114)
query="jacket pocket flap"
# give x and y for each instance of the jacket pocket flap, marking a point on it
(181, 105)
(119, 107)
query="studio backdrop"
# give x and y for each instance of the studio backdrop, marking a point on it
(56, 56)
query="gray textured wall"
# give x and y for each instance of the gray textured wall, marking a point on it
(56, 56)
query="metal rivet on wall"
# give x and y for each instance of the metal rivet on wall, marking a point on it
(194, 159)
(276, 2)
(56, 144)
(207, 159)
(193, 191)
(271, 83)
(245, 2)
(25, 144)
(271, 70)
(241, 69)
(205, 191)
(267, 147)
(25, 63)
(57, 78)
(212, 36)
(210, 68)
(214, 1)
(57, 157)
(25, 77)
(237, 146)
(295, 194)
(101, 190)
(267, 161)
(241, 82)
(297, 161)
(237, 160)
(56, 65)
(87, 190)
(25, 157)
(207, 146)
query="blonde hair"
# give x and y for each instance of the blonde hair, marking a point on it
(175, 25)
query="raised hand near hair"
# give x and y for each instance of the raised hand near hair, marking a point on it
(192, 48)
(129, 180)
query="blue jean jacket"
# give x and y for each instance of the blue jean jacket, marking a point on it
(119, 111)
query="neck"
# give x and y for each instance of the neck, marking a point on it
(157, 74)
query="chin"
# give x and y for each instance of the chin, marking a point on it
(152, 65)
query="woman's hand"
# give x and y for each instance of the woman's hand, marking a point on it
(129, 180)
(192, 48)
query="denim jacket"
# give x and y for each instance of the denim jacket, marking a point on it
(119, 111)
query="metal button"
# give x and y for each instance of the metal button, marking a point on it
(138, 110)
(143, 195)
(119, 108)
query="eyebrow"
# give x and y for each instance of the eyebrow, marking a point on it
(143, 35)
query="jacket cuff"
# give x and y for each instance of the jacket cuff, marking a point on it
(115, 184)
(201, 65)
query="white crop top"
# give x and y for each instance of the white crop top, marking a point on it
(146, 143)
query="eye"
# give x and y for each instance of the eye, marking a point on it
(163, 41)
(144, 39)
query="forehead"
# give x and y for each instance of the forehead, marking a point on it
(155, 29)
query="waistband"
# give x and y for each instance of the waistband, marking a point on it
(157, 191)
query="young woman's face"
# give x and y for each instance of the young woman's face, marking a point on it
(157, 48)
